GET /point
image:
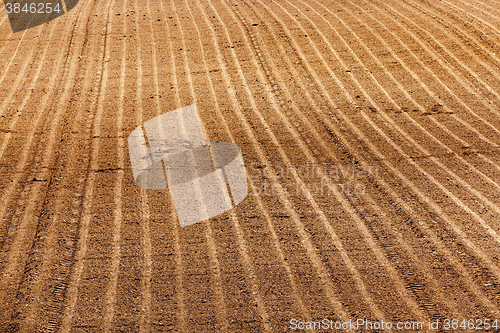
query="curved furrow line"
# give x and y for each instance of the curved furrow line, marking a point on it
(237, 107)
(145, 319)
(295, 293)
(432, 52)
(311, 252)
(397, 172)
(436, 240)
(146, 243)
(114, 270)
(448, 52)
(83, 236)
(21, 40)
(84, 213)
(73, 276)
(379, 212)
(435, 160)
(336, 240)
(292, 280)
(471, 28)
(321, 271)
(402, 90)
(349, 207)
(21, 78)
(8, 101)
(431, 93)
(457, 201)
(305, 312)
(117, 243)
(72, 289)
(478, 50)
(36, 271)
(484, 8)
(181, 265)
(426, 153)
(234, 217)
(79, 265)
(92, 44)
(59, 281)
(192, 96)
(489, 180)
(26, 228)
(454, 228)
(282, 256)
(241, 241)
(470, 14)
(295, 74)
(8, 195)
(178, 305)
(457, 178)
(441, 83)
(415, 273)
(469, 70)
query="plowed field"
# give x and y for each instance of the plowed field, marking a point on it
(370, 133)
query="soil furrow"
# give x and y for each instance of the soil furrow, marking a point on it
(369, 132)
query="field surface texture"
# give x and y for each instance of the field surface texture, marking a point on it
(370, 135)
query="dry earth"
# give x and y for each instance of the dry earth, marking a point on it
(399, 99)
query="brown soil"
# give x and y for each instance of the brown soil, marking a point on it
(387, 109)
